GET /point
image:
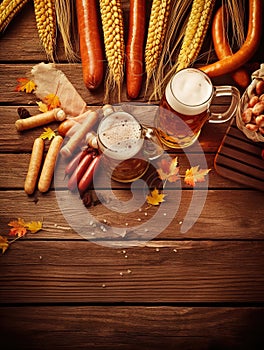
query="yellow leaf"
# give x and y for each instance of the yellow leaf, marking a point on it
(169, 170)
(48, 134)
(42, 106)
(194, 174)
(25, 85)
(52, 101)
(155, 198)
(3, 244)
(34, 226)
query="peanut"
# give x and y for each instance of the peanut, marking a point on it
(260, 87)
(261, 98)
(247, 115)
(260, 121)
(258, 108)
(252, 127)
(254, 100)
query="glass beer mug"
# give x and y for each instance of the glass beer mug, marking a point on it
(126, 146)
(185, 107)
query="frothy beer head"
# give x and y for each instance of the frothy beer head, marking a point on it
(120, 134)
(189, 92)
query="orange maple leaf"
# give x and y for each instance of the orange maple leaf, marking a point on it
(18, 228)
(25, 85)
(194, 174)
(52, 101)
(169, 170)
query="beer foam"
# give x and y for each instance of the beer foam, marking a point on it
(189, 92)
(120, 135)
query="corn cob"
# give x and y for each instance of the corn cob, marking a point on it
(195, 32)
(46, 24)
(8, 9)
(113, 30)
(156, 33)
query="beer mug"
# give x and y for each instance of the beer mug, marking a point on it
(126, 146)
(185, 107)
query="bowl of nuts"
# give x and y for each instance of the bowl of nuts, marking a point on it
(250, 114)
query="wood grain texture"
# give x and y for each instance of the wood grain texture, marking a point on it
(50, 272)
(131, 327)
(226, 215)
(62, 289)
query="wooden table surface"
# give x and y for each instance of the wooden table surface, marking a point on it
(200, 289)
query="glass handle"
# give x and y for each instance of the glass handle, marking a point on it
(152, 146)
(229, 113)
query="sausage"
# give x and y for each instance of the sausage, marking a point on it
(79, 171)
(87, 178)
(76, 139)
(135, 47)
(34, 165)
(247, 50)
(55, 114)
(49, 164)
(223, 49)
(90, 43)
(74, 162)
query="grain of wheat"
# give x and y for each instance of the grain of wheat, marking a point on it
(196, 29)
(45, 14)
(113, 30)
(8, 9)
(156, 32)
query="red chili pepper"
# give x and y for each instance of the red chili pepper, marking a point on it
(262, 153)
(87, 178)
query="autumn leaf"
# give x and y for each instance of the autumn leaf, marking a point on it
(194, 174)
(155, 198)
(3, 244)
(25, 85)
(48, 134)
(52, 101)
(42, 106)
(18, 228)
(34, 226)
(169, 170)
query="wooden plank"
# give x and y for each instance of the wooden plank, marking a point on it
(227, 214)
(10, 165)
(132, 327)
(239, 159)
(13, 141)
(184, 271)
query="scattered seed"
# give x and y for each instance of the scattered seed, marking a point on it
(121, 273)
(157, 250)
(40, 257)
(165, 214)
(129, 271)
(146, 214)
(124, 251)
(175, 250)
(138, 219)
(126, 256)
(180, 222)
(103, 285)
(126, 223)
(146, 230)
